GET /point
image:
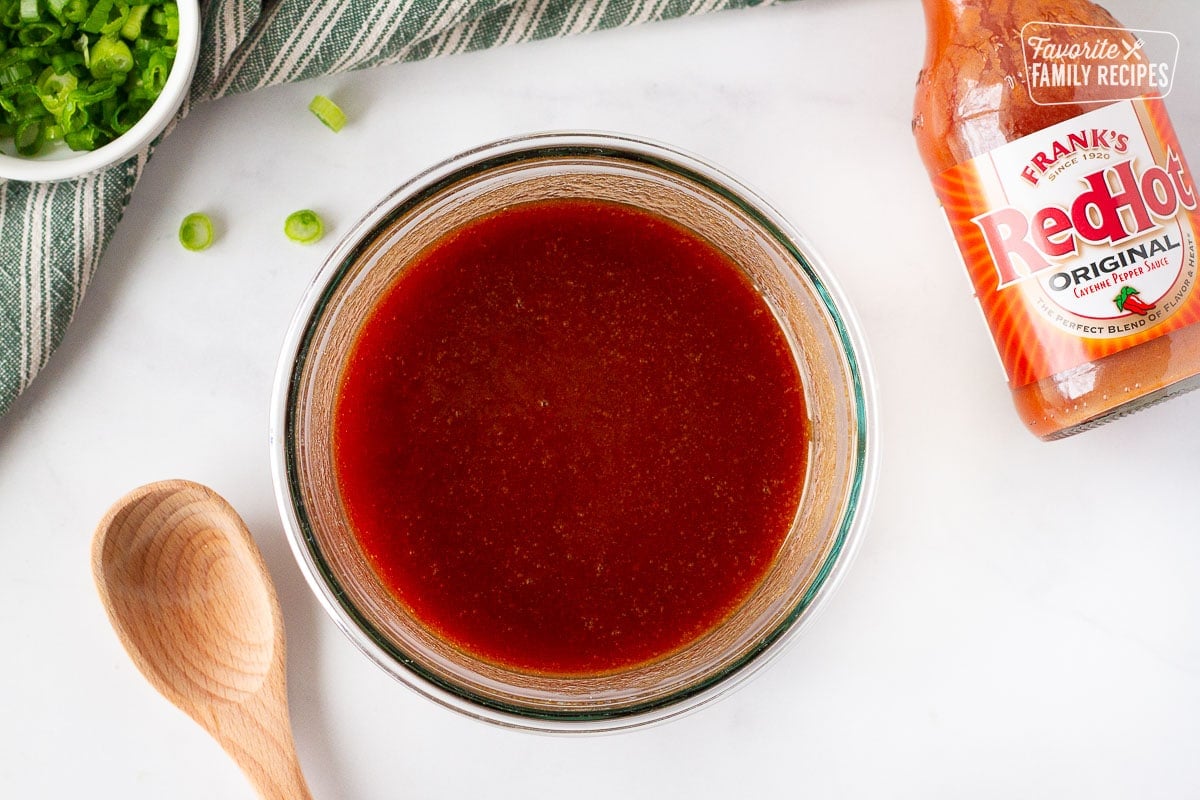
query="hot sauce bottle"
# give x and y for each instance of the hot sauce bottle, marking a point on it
(1043, 130)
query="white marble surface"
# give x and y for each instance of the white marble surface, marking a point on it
(1022, 621)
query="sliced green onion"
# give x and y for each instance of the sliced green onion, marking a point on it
(196, 231)
(94, 92)
(171, 31)
(121, 117)
(110, 57)
(132, 28)
(40, 34)
(328, 112)
(64, 62)
(153, 76)
(75, 10)
(73, 117)
(11, 17)
(82, 139)
(29, 11)
(164, 19)
(99, 17)
(54, 88)
(304, 226)
(14, 74)
(29, 137)
(81, 71)
(21, 102)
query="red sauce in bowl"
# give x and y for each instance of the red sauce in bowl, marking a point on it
(571, 437)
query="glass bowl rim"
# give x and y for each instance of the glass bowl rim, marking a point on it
(325, 585)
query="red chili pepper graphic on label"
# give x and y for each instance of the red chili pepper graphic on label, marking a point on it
(1128, 300)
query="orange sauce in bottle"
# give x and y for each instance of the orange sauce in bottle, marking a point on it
(1072, 204)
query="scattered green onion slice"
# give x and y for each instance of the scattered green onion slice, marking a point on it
(304, 226)
(328, 112)
(196, 231)
(81, 71)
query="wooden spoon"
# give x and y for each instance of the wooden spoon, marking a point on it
(190, 598)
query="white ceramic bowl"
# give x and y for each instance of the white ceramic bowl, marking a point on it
(59, 162)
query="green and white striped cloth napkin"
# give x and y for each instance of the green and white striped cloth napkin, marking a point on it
(53, 235)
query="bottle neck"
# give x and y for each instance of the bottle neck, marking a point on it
(941, 13)
(941, 19)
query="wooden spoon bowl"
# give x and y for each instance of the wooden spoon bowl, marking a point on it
(188, 594)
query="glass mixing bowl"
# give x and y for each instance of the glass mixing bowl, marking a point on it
(809, 308)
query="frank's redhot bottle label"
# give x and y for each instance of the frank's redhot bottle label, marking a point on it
(1080, 239)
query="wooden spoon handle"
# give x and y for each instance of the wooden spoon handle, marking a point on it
(260, 740)
(275, 777)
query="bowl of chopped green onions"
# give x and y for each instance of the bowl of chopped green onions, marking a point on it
(85, 84)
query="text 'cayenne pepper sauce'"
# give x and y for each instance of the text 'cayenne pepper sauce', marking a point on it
(1071, 202)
